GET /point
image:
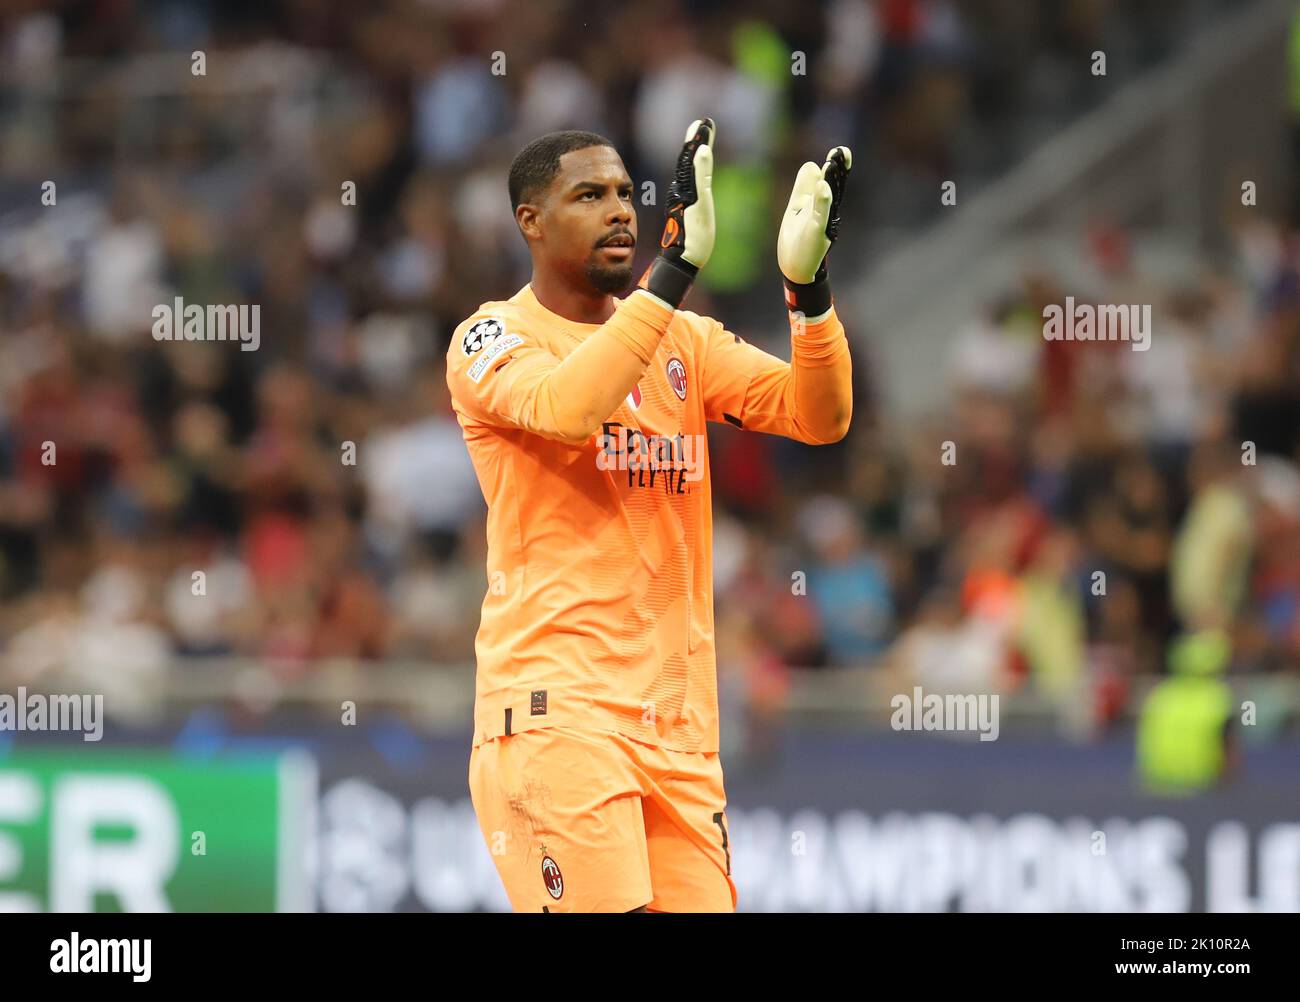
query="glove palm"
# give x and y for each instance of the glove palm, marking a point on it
(812, 218)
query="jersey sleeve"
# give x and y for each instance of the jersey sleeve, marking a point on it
(500, 372)
(494, 365)
(809, 398)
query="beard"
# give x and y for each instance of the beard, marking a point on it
(610, 279)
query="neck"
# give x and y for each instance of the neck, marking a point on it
(583, 306)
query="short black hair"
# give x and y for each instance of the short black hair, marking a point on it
(535, 166)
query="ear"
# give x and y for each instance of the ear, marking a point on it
(527, 216)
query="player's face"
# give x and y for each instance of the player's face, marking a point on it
(589, 221)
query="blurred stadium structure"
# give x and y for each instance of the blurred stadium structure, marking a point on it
(327, 583)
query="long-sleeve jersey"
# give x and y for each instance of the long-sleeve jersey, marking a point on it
(589, 444)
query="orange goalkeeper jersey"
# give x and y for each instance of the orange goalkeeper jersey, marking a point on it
(599, 607)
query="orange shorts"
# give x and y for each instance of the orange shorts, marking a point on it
(592, 821)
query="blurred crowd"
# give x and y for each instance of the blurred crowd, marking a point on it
(313, 500)
(1075, 510)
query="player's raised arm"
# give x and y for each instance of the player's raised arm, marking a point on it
(810, 398)
(518, 383)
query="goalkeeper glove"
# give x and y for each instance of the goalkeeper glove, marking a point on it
(688, 233)
(810, 226)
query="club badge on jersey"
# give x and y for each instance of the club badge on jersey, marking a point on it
(552, 878)
(676, 372)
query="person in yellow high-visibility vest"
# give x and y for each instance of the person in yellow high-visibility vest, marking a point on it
(1184, 740)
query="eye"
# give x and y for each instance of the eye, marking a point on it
(587, 194)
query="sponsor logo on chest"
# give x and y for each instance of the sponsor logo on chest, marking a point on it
(655, 460)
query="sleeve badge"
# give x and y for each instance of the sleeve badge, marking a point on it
(481, 334)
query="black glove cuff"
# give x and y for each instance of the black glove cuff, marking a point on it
(669, 279)
(811, 300)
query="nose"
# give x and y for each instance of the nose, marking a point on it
(621, 213)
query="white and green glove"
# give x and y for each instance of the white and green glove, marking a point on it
(810, 226)
(689, 229)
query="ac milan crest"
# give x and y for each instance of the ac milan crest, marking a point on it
(553, 878)
(677, 377)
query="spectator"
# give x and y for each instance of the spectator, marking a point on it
(848, 584)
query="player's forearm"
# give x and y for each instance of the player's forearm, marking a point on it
(819, 392)
(575, 397)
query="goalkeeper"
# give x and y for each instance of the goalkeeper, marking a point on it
(594, 769)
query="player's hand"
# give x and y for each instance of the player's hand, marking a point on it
(812, 219)
(689, 228)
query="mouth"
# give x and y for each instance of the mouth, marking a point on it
(619, 247)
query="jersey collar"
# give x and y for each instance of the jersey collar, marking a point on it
(528, 300)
